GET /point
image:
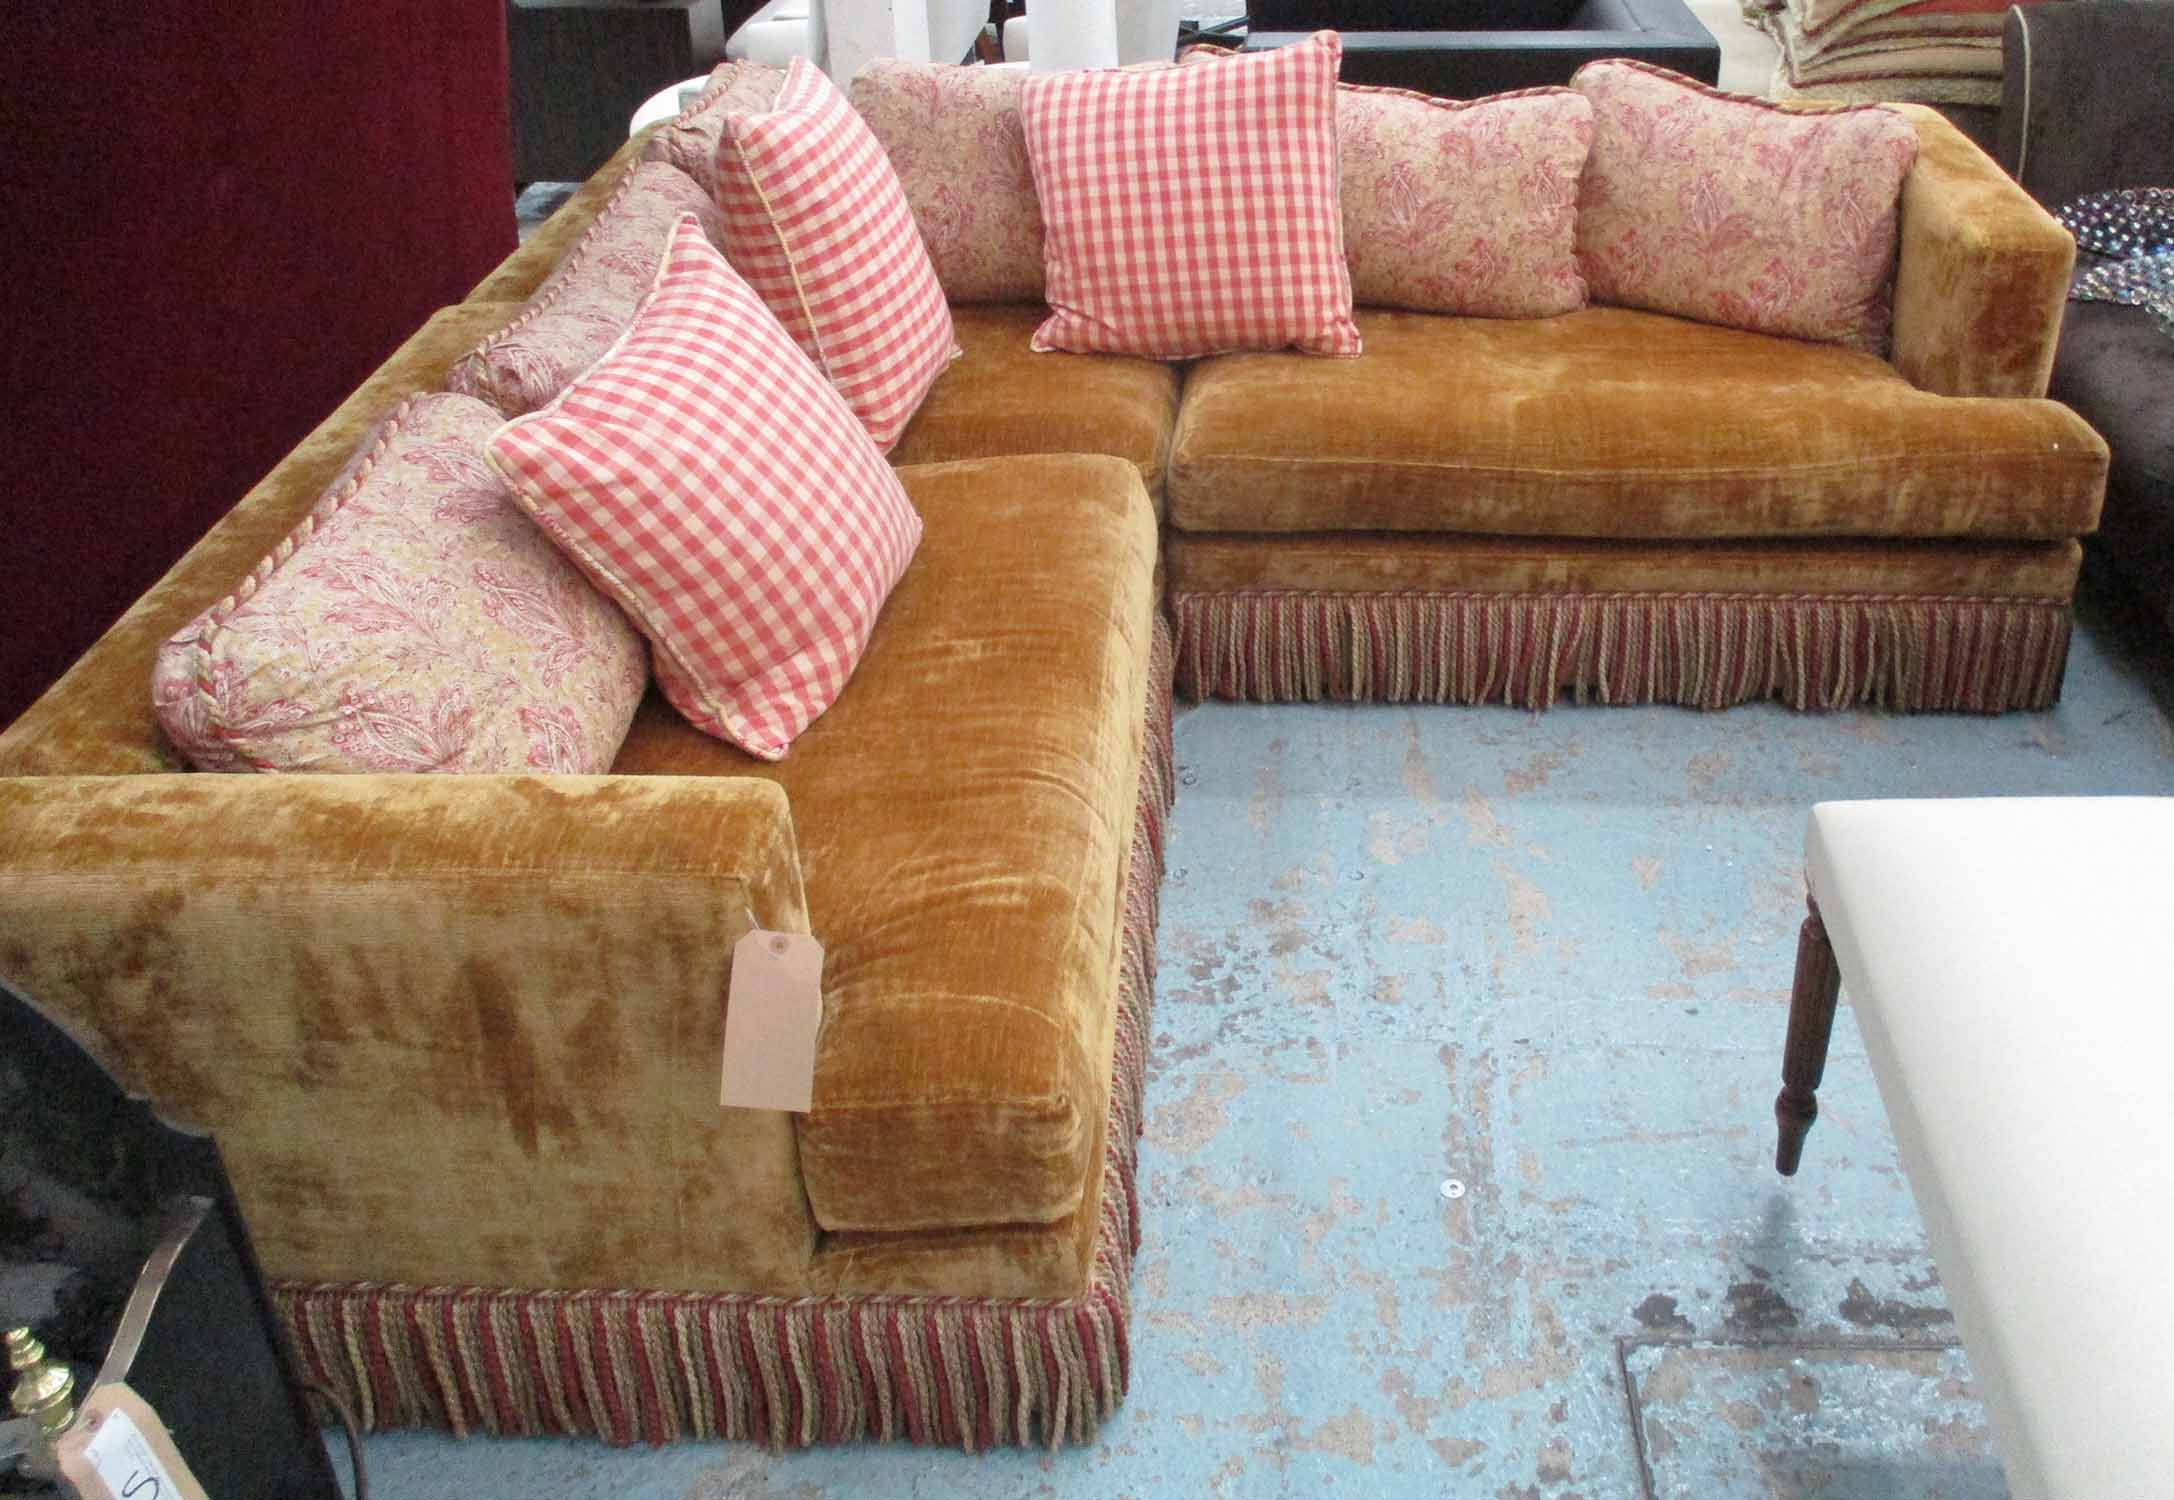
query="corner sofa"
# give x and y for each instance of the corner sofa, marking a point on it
(459, 1036)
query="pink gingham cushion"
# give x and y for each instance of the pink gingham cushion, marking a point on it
(1454, 206)
(707, 477)
(415, 621)
(815, 220)
(1729, 210)
(589, 300)
(1193, 211)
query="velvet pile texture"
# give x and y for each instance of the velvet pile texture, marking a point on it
(362, 984)
(972, 927)
(1001, 398)
(1615, 423)
(1981, 276)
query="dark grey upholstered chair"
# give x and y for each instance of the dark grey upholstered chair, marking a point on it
(1461, 49)
(2085, 107)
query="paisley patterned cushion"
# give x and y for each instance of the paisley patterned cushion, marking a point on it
(690, 141)
(416, 621)
(954, 138)
(589, 300)
(1731, 211)
(1463, 208)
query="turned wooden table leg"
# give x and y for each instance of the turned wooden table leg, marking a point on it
(1804, 1054)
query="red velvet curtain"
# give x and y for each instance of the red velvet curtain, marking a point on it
(221, 218)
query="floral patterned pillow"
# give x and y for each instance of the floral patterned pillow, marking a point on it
(1463, 208)
(690, 141)
(589, 300)
(954, 138)
(415, 621)
(1729, 210)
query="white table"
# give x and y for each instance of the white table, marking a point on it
(2011, 965)
(667, 102)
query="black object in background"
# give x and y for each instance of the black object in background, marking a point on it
(1466, 49)
(121, 1245)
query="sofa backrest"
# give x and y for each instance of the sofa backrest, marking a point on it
(2084, 99)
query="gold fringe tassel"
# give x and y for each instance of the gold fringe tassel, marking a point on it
(1810, 651)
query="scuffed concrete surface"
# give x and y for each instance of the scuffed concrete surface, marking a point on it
(1852, 1423)
(1546, 958)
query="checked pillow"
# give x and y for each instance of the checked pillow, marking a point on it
(1193, 211)
(815, 219)
(707, 478)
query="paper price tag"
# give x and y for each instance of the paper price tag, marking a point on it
(118, 1449)
(772, 1014)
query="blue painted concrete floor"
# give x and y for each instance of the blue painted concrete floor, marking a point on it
(1540, 963)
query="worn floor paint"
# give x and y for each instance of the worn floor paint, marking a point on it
(1546, 959)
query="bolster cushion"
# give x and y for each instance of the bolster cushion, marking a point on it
(98, 719)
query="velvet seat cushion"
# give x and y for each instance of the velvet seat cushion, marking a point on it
(1000, 397)
(1615, 423)
(964, 812)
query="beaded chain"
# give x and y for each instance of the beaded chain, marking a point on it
(2130, 234)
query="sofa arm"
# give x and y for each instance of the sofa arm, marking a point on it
(447, 1029)
(1981, 276)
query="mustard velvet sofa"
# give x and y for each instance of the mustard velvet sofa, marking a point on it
(459, 1037)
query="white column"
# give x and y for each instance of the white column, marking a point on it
(1147, 30)
(952, 27)
(1065, 34)
(856, 32)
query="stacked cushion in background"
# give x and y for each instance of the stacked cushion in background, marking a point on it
(708, 478)
(1921, 51)
(589, 299)
(414, 621)
(813, 216)
(1733, 211)
(1192, 211)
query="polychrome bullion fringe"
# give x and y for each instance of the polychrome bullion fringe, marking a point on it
(632, 1366)
(1811, 651)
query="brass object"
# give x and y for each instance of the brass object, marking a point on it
(24, 1350)
(44, 1388)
